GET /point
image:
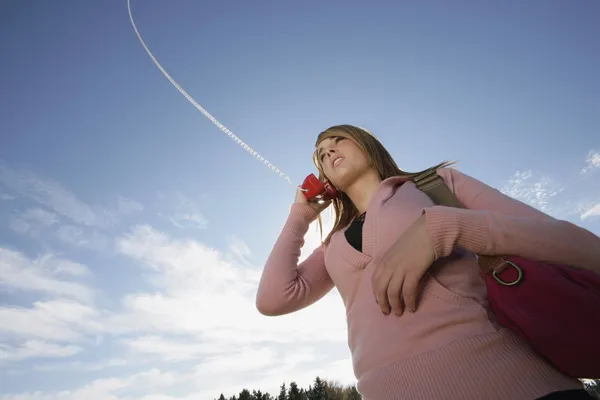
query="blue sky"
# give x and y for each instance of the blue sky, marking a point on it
(133, 231)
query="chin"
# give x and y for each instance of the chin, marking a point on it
(345, 178)
(343, 181)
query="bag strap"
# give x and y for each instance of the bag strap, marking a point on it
(436, 189)
(434, 186)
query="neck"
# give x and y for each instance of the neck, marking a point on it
(362, 189)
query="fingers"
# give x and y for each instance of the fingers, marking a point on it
(409, 292)
(300, 196)
(324, 205)
(380, 283)
(394, 293)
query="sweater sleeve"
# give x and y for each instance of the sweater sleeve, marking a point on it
(287, 286)
(496, 224)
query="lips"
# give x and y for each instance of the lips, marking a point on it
(336, 161)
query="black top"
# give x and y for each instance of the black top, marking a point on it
(354, 232)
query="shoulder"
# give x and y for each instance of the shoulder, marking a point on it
(451, 176)
(461, 184)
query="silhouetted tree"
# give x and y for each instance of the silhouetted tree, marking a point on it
(318, 391)
(353, 394)
(245, 395)
(321, 389)
(282, 393)
(334, 390)
(294, 392)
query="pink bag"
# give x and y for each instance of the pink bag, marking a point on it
(555, 308)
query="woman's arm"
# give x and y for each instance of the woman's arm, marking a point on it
(496, 224)
(285, 285)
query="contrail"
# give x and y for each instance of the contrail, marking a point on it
(202, 110)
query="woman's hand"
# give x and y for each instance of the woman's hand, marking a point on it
(398, 273)
(318, 207)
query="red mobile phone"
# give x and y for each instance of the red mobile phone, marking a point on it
(315, 190)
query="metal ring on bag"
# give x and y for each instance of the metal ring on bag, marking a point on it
(519, 275)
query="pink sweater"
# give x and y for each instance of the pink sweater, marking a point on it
(451, 348)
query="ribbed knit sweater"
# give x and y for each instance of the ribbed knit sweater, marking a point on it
(451, 347)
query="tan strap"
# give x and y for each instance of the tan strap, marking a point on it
(434, 186)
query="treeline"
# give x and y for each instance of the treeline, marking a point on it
(321, 389)
(327, 390)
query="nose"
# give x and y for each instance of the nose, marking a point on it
(331, 151)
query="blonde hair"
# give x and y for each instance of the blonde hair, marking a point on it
(378, 157)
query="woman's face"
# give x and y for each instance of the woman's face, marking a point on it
(341, 160)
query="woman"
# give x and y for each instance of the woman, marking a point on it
(418, 323)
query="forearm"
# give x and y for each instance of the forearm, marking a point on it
(287, 286)
(491, 233)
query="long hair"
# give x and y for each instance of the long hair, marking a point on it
(378, 158)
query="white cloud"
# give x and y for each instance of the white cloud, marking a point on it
(173, 349)
(7, 197)
(21, 273)
(106, 388)
(128, 206)
(204, 310)
(54, 320)
(33, 221)
(593, 211)
(84, 220)
(260, 368)
(239, 251)
(549, 196)
(537, 192)
(199, 310)
(55, 197)
(83, 366)
(591, 162)
(243, 360)
(187, 213)
(203, 292)
(40, 216)
(52, 264)
(19, 226)
(36, 349)
(80, 237)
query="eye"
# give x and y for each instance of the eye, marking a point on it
(336, 140)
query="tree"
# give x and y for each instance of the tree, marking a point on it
(294, 392)
(321, 389)
(335, 391)
(282, 393)
(353, 394)
(245, 395)
(318, 391)
(258, 395)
